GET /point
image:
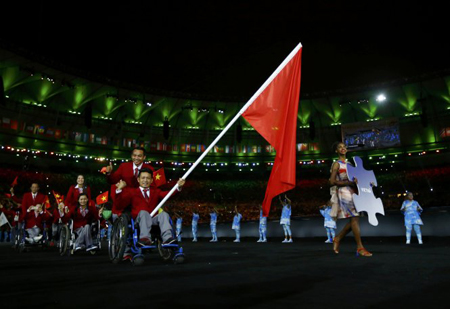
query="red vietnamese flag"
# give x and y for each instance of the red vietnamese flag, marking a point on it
(159, 177)
(274, 115)
(47, 202)
(102, 198)
(14, 183)
(58, 197)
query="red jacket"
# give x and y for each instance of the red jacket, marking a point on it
(56, 216)
(32, 219)
(79, 220)
(12, 212)
(135, 197)
(126, 173)
(74, 193)
(16, 199)
(8, 212)
(27, 201)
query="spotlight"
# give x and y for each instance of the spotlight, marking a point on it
(381, 98)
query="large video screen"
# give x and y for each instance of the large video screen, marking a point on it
(370, 135)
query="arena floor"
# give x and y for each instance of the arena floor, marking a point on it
(304, 274)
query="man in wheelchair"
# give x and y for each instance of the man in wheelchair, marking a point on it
(33, 223)
(143, 201)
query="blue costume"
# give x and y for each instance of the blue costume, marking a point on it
(285, 221)
(179, 225)
(262, 227)
(236, 226)
(212, 224)
(412, 211)
(195, 218)
(329, 224)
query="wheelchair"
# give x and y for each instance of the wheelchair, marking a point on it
(67, 238)
(125, 233)
(22, 242)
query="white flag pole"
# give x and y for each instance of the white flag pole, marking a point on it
(243, 109)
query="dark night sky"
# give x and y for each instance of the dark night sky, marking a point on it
(228, 50)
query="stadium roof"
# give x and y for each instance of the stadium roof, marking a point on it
(226, 50)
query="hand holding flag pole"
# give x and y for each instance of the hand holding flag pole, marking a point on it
(289, 87)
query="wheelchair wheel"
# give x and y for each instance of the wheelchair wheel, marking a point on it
(167, 254)
(179, 259)
(118, 240)
(20, 240)
(64, 239)
(138, 260)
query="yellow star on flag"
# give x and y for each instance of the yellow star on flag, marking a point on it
(158, 177)
(103, 198)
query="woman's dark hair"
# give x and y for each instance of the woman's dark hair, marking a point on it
(84, 184)
(335, 145)
(78, 202)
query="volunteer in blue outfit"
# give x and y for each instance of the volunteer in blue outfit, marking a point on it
(262, 227)
(329, 223)
(412, 210)
(179, 226)
(236, 226)
(285, 220)
(195, 218)
(212, 224)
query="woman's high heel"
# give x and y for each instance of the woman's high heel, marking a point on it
(363, 252)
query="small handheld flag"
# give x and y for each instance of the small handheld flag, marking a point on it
(14, 183)
(47, 203)
(3, 220)
(102, 198)
(58, 197)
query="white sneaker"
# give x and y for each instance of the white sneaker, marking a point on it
(37, 238)
(259, 240)
(29, 239)
(408, 242)
(420, 242)
(290, 240)
(264, 240)
(194, 240)
(236, 240)
(284, 241)
(328, 241)
(212, 240)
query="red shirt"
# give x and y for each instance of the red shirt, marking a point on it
(32, 219)
(74, 193)
(135, 197)
(127, 174)
(77, 215)
(28, 201)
